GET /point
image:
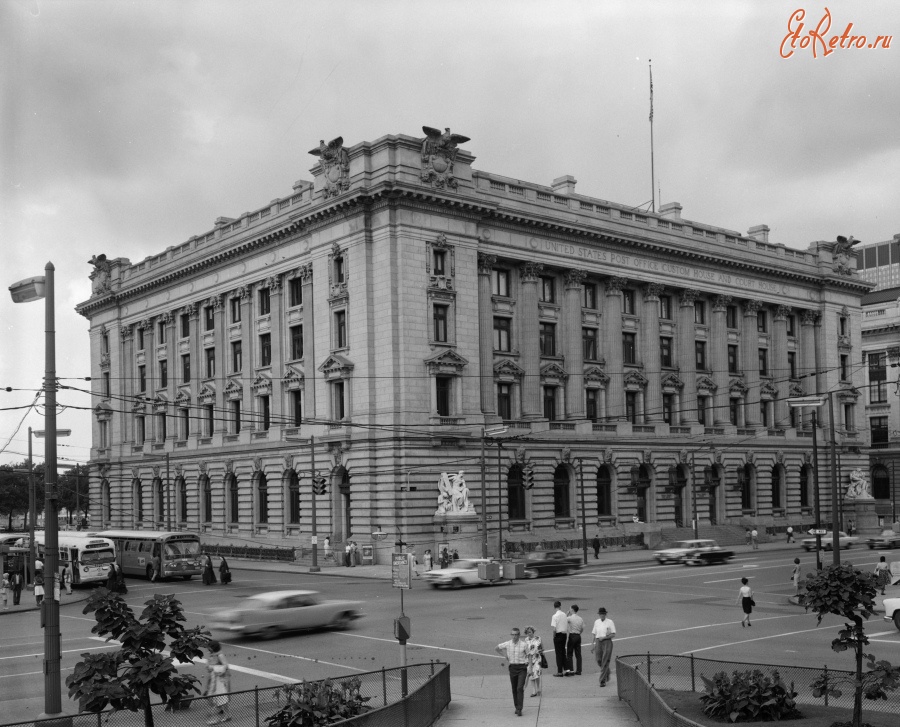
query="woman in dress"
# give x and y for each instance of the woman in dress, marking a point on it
(224, 573)
(882, 574)
(67, 579)
(111, 578)
(218, 684)
(795, 575)
(39, 587)
(429, 560)
(745, 598)
(535, 650)
(209, 573)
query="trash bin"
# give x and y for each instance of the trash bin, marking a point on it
(513, 571)
(368, 555)
(489, 571)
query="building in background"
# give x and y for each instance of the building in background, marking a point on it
(372, 323)
(879, 263)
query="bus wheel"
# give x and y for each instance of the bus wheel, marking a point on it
(187, 578)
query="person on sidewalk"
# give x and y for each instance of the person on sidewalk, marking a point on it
(224, 572)
(882, 574)
(604, 631)
(745, 599)
(67, 578)
(754, 539)
(535, 648)
(575, 626)
(4, 590)
(516, 654)
(218, 684)
(595, 544)
(790, 534)
(560, 628)
(795, 576)
(348, 553)
(209, 571)
(17, 580)
(39, 587)
(429, 560)
(749, 537)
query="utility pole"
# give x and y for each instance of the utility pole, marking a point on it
(314, 568)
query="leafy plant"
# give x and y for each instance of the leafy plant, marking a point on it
(125, 679)
(315, 704)
(845, 591)
(749, 696)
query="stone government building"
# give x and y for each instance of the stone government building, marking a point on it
(402, 301)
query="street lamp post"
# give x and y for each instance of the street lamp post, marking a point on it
(485, 433)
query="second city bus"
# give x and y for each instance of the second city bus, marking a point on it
(140, 552)
(89, 555)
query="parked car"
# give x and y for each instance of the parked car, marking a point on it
(550, 563)
(462, 572)
(844, 540)
(694, 552)
(887, 539)
(892, 609)
(269, 614)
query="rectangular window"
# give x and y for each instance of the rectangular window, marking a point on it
(700, 312)
(209, 318)
(140, 430)
(589, 343)
(439, 320)
(106, 386)
(440, 262)
(235, 417)
(877, 378)
(878, 428)
(792, 364)
(264, 413)
(589, 296)
(295, 292)
(763, 362)
(731, 317)
(702, 407)
(210, 355)
(185, 368)
(700, 354)
(629, 348)
(185, 424)
(732, 359)
(665, 351)
(500, 282)
(631, 407)
(547, 339)
(162, 429)
(296, 343)
(104, 434)
(668, 404)
(161, 331)
(140, 339)
(237, 357)
(734, 408)
(163, 374)
(550, 403)
(628, 302)
(761, 321)
(592, 404)
(764, 413)
(850, 417)
(338, 408)
(209, 412)
(842, 326)
(142, 378)
(185, 325)
(265, 302)
(296, 409)
(104, 342)
(502, 328)
(845, 368)
(442, 388)
(235, 304)
(340, 329)
(339, 272)
(665, 307)
(504, 401)
(548, 289)
(265, 349)
(791, 321)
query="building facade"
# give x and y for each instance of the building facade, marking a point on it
(403, 313)
(879, 263)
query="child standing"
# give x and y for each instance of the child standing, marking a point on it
(4, 589)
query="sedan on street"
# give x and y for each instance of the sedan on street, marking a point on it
(690, 552)
(887, 539)
(550, 563)
(460, 573)
(270, 614)
(844, 541)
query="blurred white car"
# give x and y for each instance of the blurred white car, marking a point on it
(270, 614)
(844, 541)
(461, 573)
(892, 609)
(887, 539)
(692, 552)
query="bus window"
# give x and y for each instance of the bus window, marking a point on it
(146, 546)
(97, 557)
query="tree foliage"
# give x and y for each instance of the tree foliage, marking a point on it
(14, 490)
(845, 591)
(316, 704)
(125, 679)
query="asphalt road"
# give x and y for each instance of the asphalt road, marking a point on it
(661, 609)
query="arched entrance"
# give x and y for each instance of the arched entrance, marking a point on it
(677, 484)
(881, 483)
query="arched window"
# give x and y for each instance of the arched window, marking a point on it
(159, 495)
(777, 486)
(231, 486)
(137, 493)
(881, 483)
(262, 497)
(293, 495)
(806, 476)
(640, 479)
(105, 504)
(561, 492)
(181, 494)
(206, 498)
(515, 494)
(604, 492)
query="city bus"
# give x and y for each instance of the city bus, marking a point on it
(88, 555)
(140, 552)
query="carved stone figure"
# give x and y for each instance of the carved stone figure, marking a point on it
(859, 488)
(841, 254)
(438, 155)
(100, 277)
(453, 495)
(335, 164)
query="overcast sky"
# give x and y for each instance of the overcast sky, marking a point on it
(127, 127)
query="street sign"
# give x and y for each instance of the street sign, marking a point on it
(401, 570)
(818, 532)
(314, 540)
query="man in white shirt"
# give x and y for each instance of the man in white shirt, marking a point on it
(573, 645)
(560, 627)
(604, 630)
(516, 654)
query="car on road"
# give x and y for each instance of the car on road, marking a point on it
(461, 573)
(844, 541)
(892, 609)
(694, 552)
(550, 563)
(270, 614)
(887, 539)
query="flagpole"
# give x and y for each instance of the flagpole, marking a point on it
(652, 165)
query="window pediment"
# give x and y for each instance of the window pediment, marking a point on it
(207, 394)
(160, 404)
(635, 380)
(261, 386)
(446, 362)
(706, 384)
(139, 406)
(595, 375)
(553, 373)
(293, 379)
(737, 386)
(336, 367)
(182, 398)
(768, 390)
(671, 381)
(234, 390)
(103, 411)
(508, 371)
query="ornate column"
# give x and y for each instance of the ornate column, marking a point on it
(277, 330)
(529, 325)
(221, 411)
(150, 367)
(173, 374)
(309, 342)
(808, 322)
(128, 372)
(249, 352)
(486, 335)
(687, 360)
(615, 366)
(650, 357)
(195, 351)
(718, 357)
(780, 363)
(750, 362)
(573, 348)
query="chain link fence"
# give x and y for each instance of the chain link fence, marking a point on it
(251, 552)
(639, 676)
(413, 696)
(634, 540)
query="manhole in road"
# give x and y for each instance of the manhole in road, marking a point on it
(513, 596)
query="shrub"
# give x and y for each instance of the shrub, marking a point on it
(749, 696)
(315, 704)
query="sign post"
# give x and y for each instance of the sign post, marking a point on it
(401, 577)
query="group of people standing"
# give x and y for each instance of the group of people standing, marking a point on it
(526, 657)
(209, 572)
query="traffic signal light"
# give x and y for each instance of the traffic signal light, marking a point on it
(528, 478)
(319, 486)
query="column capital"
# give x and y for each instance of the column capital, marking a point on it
(809, 318)
(689, 297)
(242, 292)
(721, 303)
(126, 332)
(530, 272)
(614, 286)
(752, 307)
(652, 291)
(216, 301)
(273, 283)
(574, 278)
(168, 318)
(191, 309)
(486, 263)
(782, 312)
